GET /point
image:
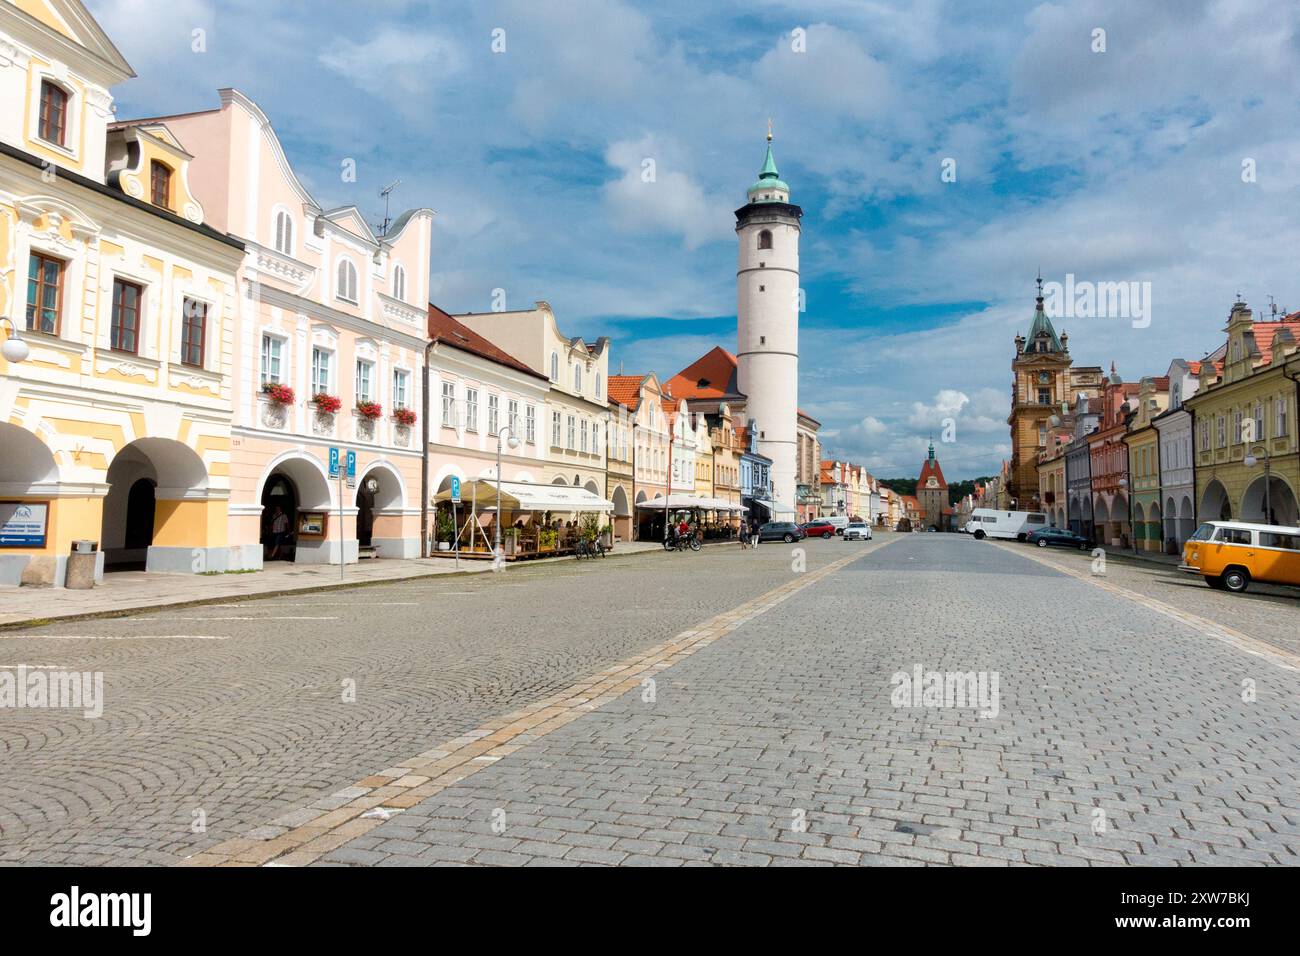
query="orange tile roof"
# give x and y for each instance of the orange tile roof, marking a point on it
(931, 467)
(625, 389)
(711, 376)
(1265, 332)
(447, 331)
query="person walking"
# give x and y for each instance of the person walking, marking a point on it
(279, 531)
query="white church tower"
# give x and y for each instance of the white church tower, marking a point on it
(767, 321)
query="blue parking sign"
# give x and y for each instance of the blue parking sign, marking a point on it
(334, 463)
(455, 489)
(352, 468)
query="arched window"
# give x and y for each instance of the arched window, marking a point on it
(555, 367)
(399, 283)
(160, 184)
(765, 239)
(597, 386)
(577, 378)
(283, 233)
(346, 286)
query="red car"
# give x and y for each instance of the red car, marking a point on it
(814, 529)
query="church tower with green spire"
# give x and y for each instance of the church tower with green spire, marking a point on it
(767, 321)
(1041, 383)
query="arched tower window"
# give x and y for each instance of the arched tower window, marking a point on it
(399, 283)
(346, 284)
(765, 239)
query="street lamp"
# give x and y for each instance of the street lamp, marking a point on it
(513, 442)
(1250, 461)
(15, 349)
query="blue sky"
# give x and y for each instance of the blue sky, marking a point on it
(1122, 165)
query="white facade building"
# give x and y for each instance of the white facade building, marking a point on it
(1177, 477)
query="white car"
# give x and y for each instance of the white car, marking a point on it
(857, 531)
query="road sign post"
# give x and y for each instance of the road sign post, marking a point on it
(455, 527)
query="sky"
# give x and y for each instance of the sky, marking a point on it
(943, 154)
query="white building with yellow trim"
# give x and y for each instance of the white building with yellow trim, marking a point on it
(116, 426)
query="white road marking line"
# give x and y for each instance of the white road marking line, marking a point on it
(168, 617)
(246, 604)
(33, 667)
(116, 637)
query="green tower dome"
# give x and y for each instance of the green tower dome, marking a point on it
(768, 177)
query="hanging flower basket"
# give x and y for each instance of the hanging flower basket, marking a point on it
(404, 416)
(328, 404)
(371, 410)
(280, 394)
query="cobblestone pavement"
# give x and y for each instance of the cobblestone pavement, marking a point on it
(1121, 737)
(1268, 613)
(237, 712)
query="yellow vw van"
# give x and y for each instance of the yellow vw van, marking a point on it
(1231, 554)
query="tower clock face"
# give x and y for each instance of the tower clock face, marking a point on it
(932, 482)
(1042, 377)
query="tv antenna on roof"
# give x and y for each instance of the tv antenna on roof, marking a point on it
(386, 192)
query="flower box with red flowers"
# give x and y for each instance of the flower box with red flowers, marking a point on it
(327, 404)
(371, 410)
(404, 416)
(280, 394)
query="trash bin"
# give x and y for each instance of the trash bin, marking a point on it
(81, 565)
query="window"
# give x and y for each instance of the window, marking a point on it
(346, 285)
(595, 438)
(54, 113)
(555, 367)
(271, 349)
(449, 404)
(530, 425)
(364, 380)
(44, 293)
(321, 360)
(194, 332)
(1205, 436)
(1259, 421)
(124, 331)
(283, 233)
(1282, 424)
(583, 437)
(471, 409)
(494, 414)
(1222, 433)
(1275, 539)
(1236, 427)
(401, 379)
(572, 424)
(399, 283)
(765, 239)
(577, 378)
(160, 184)
(1233, 535)
(512, 416)
(555, 429)
(1042, 435)
(597, 386)
(1044, 396)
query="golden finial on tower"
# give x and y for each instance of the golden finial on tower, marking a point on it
(769, 129)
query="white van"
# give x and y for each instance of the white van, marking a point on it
(987, 523)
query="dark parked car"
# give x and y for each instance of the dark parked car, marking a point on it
(818, 529)
(1059, 536)
(786, 531)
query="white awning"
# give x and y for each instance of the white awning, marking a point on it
(675, 501)
(780, 509)
(526, 496)
(722, 504)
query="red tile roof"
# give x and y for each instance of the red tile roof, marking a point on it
(1265, 332)
(445, 330)
(711, 376)
(625, 389)
(931, 467)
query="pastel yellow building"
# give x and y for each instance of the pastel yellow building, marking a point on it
(115, 425)
(1244, 423)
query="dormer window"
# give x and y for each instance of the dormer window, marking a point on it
(346, 281)
(283, 233)
(54, 113)
(160, 184)
(399, 283)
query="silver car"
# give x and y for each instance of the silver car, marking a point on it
(857, 530)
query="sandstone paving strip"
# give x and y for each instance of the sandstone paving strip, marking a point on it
(303, 836)
(1121, 739)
